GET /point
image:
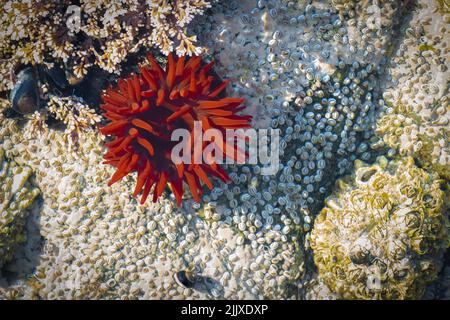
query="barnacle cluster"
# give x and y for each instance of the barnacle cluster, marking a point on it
(100, 243)
(91, 32)
(16, 195)
(382, 232)
(417, 120)
(354, 8)
(423, 135)
(377, 21)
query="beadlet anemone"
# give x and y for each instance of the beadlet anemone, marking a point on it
(145, 108)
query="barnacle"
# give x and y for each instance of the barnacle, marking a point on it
(144, 111)
(384, 234)
(420, 133)
(16, 195)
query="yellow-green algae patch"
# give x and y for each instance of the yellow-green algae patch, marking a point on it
(16, 195)
(382, 232)
(426, 47)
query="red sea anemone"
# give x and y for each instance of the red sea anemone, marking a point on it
(146, 108)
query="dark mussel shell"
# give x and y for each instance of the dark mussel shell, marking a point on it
(55, 76)
(184, 279)
(25, 94)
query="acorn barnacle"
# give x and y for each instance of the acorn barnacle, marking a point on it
(146, 108)
(383, 232)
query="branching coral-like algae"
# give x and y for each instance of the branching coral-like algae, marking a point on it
(86, 33)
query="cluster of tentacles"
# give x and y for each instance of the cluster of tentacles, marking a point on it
(146, 108)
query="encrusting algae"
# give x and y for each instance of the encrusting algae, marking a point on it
(382, 233)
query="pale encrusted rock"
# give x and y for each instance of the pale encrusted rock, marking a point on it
(16, 195)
